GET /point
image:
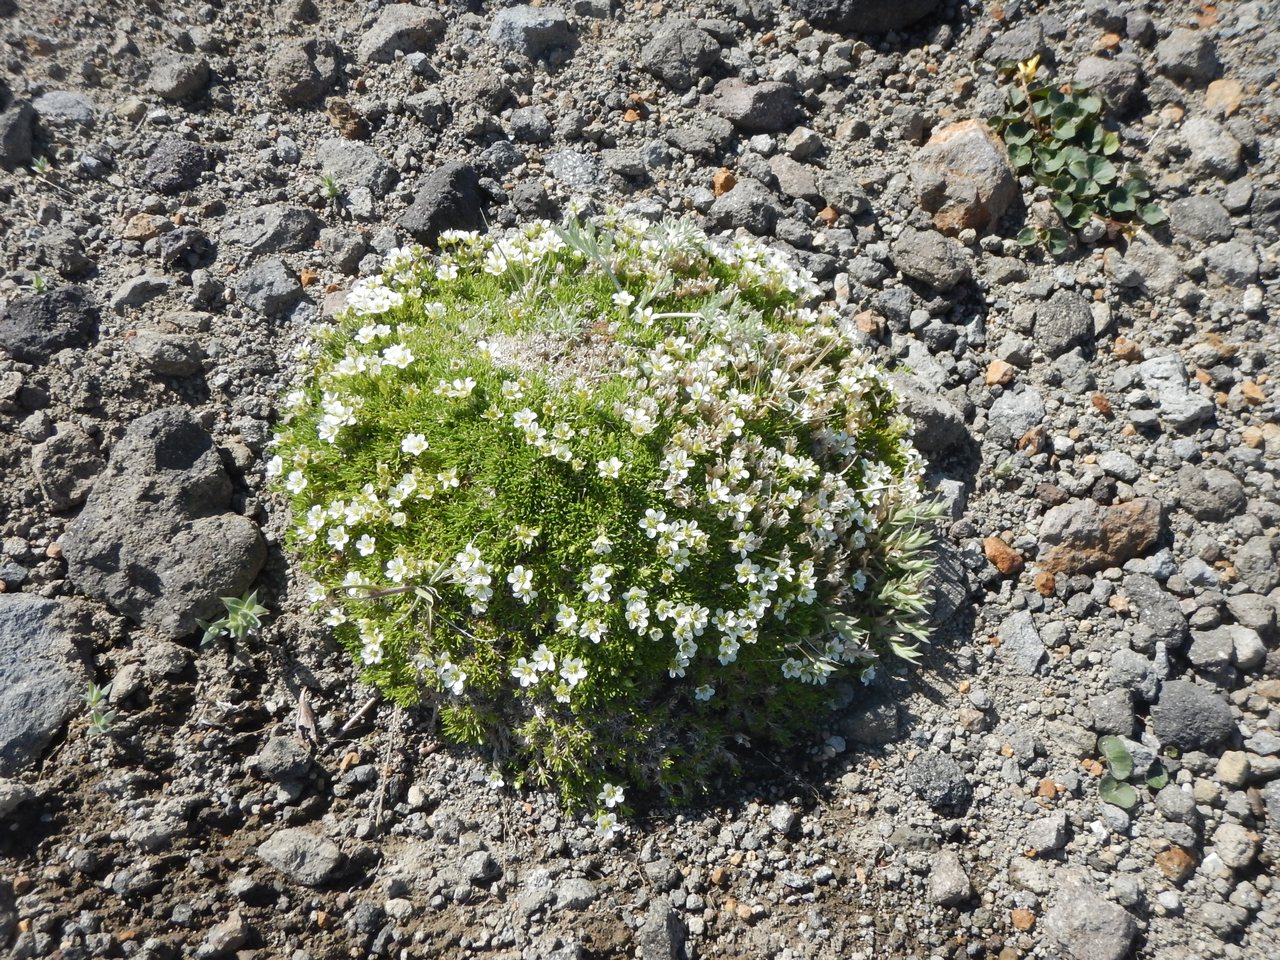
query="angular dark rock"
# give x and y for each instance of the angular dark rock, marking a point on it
(931, 258)
(938, 779)
(680, 54)
(766, 107)
(1064, 322)
(1190, 717)
(42, 676)
(864, 16)
(35, 327)
(400, 27)
(16, 128)
(156, 540)
(175, 165)
(302, 856)
(532, 31)
(448, 199)
(66, 465)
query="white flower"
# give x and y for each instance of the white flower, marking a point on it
(623, 299)
(494, 780)
(611, 795)
(544, 661)
(274, 467)
(653, 524)
(792, 668)
(521, 580)
(414, 444)
(610, 469)
(396, 569)
(338, 538)
(448, 478)
(593, 629)
(398, 355)
(704, 692)
(525, 672)
(366, 545)
(295, 483)
(573, 670)
(453, 677)
(524, 419)
(567, 618)
(606, 825)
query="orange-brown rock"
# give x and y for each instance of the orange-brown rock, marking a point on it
(1084, 536)
(1176, 864)
(1046, 583)
(1000, 372)
(1127, 350)
(962, 176)
(1023, 919)
(723, 181)
(1005, 559)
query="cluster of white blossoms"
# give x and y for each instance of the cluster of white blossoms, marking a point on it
(742, 439)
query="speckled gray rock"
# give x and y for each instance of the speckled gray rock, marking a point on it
(661, 935)
(1134, 673)
(1255, 561)
(168, 354)
(1020, 643)
(178, 76)
(931, 258)
(680, 54)
(1118, 80)
(938, 424)
(175, 164)
(1187, 56)
(1200, 218)
(65, 108)
(1048, 833)
(1015, 412)
(300, 72)
(1213, 494)
(355, 165)
(757, 107)
(1189, 717)
(949, 885)
(1165, 378)
(35, 327)
(65, 466)
(12, 795)
(302, 856)
(282, 759)
(1088, 926)
(1215, 152)
(864, 16)
(749, 205)
(16, 128)
(1157, 610)
(938, 779)
(963, 177)
(1064, 322)
(532, 31)
(155, 539)
(42, 675)
(1235, 845)
(268, 286)
(400, 27)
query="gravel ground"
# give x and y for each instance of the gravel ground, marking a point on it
(186, 187)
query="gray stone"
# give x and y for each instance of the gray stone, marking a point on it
(1017, 42)
(268, 286)
(962, 176)
(61, 249)
(949, 885)
(1255, 561)
(175, 165)
(1224, 919)
(1233, 264)
(1213, 494)
(275, 228)
(155, 539)
(1214, 151)
(1112, 712)
(42, 675)
(137, 291)
(225, 937)
(1147, 263)
(1187, 56)
(948, 583)
(35, 327)
(1064, 322)
(1248, 652)
(1157, 610)
(12, 796)
(479, 868)
(680, 54)
(447, 199)
(65, 466)
(302, 856)
(749, 205)
(530, 125)
(1088, 926)
(576, 893)
(1134, 673)
(864, 16)
(1118, 80)
(1235, 846)
(1255, 612)
(168, 354)
(1177, 805)
(532, 31)
(178, 76)
(63, 108)
(355, 165)
(1202, 219)
(661, 935)
(766, 107)
(1048, 833)
(784, 820)
(929, 257)
(1166, 379)
(938, 779)
(399, 27)
(1014, 413)
(872, 719)
(1189, 717)
(17, 124)
(1118, 464)
(796, 179)
(301, 72)
(1020, 643)
(283, 759)
(938, 424)
(574, 169)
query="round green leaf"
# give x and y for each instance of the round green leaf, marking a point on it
(1058, 242)
(1157, 776)
(1020, 155)
(1119, 201)
(1110, 142)
(1090, 103)
(1019, 132)
(1117, 793)
(1027, 237)
(1152, 215)
(1080, 214)
(1118, 757)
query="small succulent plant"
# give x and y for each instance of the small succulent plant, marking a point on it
(1115, 788)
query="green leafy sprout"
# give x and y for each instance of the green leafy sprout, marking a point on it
(1059, 137)
(1114, 787)
(243, 619)
(101, 717)
(613, 498)
(330, 187)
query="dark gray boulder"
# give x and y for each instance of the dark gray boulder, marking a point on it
(863, 16)
(35, 327)
(448, 199)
